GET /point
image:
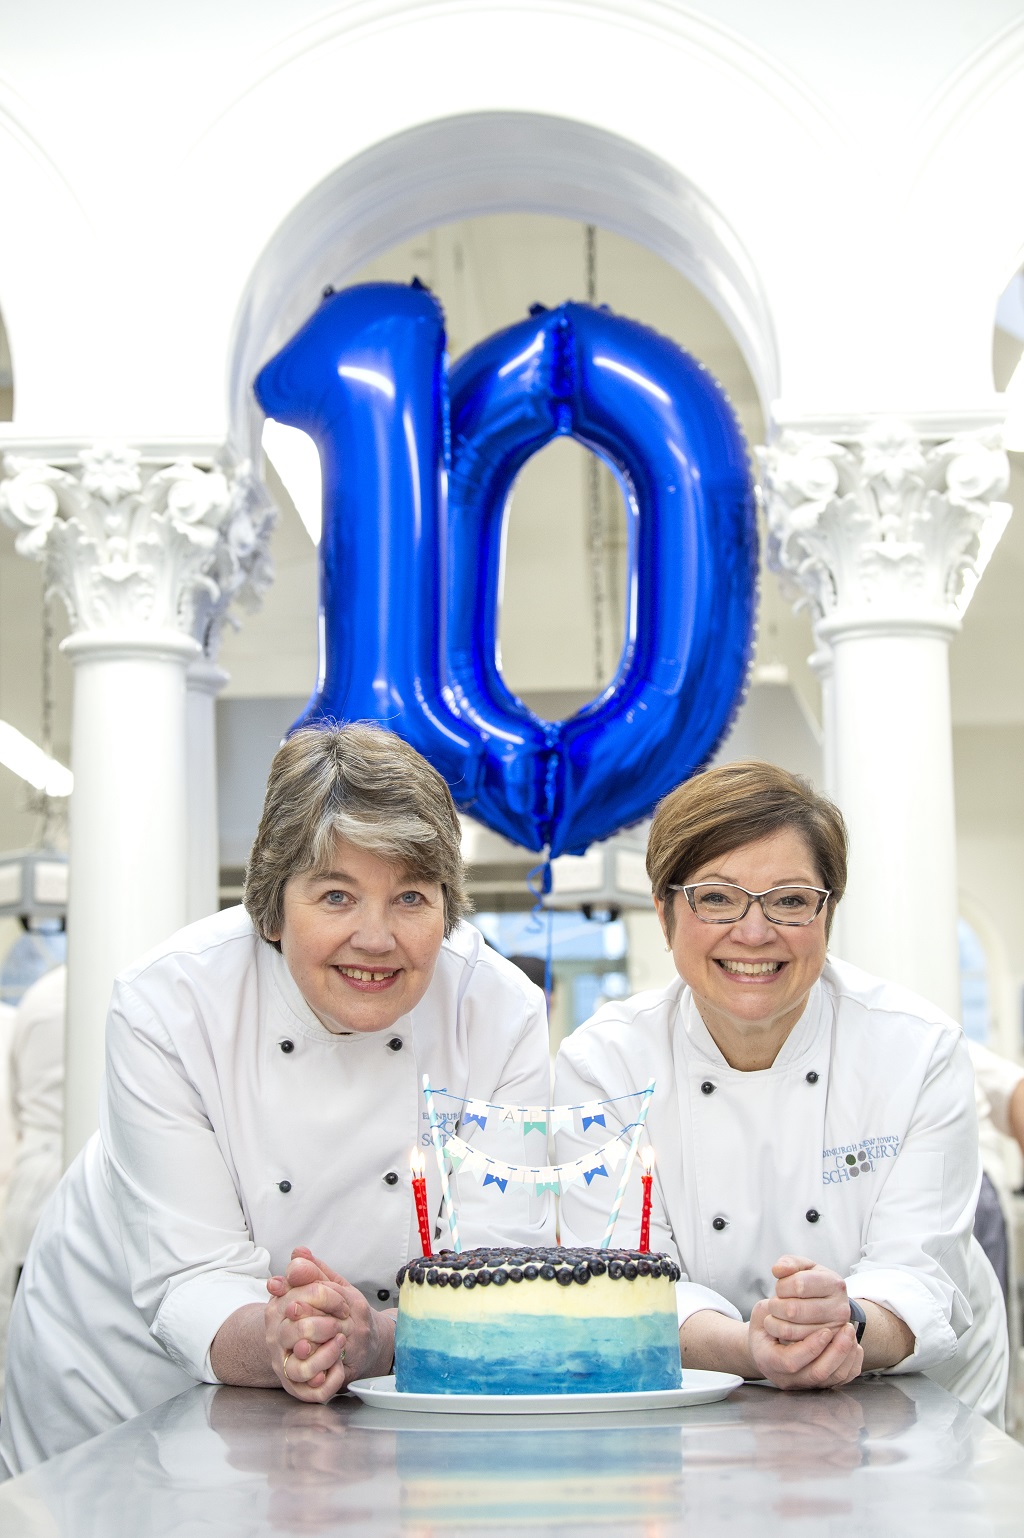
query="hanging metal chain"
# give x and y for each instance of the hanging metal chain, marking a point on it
(49, 809)
(47, 677)
(595, 511)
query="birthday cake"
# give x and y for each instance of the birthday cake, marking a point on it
(540, 1321)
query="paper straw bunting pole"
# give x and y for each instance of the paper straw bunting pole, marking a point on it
(638, 1127)
(446, 1190)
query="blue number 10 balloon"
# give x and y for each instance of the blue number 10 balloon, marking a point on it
(410, 557)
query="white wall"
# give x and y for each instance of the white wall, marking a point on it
(842, 185)
(861, 163)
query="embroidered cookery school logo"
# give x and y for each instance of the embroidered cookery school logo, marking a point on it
(848, 1161)
(447, 1122)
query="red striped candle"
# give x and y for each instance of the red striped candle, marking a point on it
(647, 1160)
(419, 1191)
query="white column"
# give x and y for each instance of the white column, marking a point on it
(887, 528)
(147, 547)
(821, 663)
(128, 832)
(204, 682)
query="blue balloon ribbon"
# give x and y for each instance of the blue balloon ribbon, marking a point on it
(410, 579)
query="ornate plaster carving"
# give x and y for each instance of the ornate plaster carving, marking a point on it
(889, 523)
(138, 541)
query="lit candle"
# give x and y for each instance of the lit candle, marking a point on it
(647, 1160)
(419, 1191)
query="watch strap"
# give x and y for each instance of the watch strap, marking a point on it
(859, 1318)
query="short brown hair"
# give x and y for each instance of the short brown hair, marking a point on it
(736, 804)
(362, 783)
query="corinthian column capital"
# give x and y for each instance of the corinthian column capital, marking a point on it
(140, 540)
(890, 524)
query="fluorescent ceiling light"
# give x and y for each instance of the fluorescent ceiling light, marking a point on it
(294, 456)
(22, 755)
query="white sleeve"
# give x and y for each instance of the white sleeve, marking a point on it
(915, 1256)
(486, 1214)
(585, 1206)
(190, 1257)
(997, 1077)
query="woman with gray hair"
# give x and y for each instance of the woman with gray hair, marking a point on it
(262, 1099)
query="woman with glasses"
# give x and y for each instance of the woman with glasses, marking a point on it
(816, 1141)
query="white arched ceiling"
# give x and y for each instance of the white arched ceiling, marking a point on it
(487, 163)
(861, 185)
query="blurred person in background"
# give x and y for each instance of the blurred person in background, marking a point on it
(34, 1069)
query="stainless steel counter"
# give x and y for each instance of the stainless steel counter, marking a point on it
(893, 1458)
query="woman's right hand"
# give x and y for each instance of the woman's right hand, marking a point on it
(306, 1319)
(323, 1334)
(826, 1358)
(802, 1337)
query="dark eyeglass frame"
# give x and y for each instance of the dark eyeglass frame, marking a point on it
(753, 897)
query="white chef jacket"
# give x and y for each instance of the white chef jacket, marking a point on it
(858, 1148)
(234, 1127)
(36, 1092)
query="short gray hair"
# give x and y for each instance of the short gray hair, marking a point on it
(364, 784)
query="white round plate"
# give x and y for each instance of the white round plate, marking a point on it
(697, 1388)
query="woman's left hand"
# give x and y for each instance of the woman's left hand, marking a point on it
(802, 1337)
(315, 1297)
(808, 1298)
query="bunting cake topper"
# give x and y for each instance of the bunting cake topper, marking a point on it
(453, 1153)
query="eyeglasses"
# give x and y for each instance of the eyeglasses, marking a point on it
(719, 902)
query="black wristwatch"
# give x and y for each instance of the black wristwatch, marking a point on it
(858, 1317)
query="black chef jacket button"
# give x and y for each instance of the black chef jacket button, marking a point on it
(287, 1046)
(284, 1186)
(396, 1043)
(707, 1088)
(812, 1215)
(812, 1077)
(383, 1294)
(390, 1179)
(718, 1223)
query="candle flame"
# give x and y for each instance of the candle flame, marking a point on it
(647, 1158)
(416, 1164)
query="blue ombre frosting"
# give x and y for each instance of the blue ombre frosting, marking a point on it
(547, 1322)
(537, 1354)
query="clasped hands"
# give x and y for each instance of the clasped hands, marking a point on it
(321, 1332)
(802, 1336)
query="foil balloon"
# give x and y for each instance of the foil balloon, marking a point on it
(665, 427)
(365, 378)
(410, 577)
